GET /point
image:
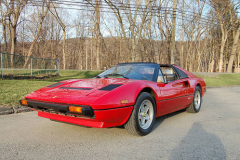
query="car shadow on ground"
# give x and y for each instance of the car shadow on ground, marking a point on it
(159, 120)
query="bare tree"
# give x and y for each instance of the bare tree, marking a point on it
(119, 17)
(43, 15)
(55, 14)
(4, 26)
(14, 9)
(223, 11)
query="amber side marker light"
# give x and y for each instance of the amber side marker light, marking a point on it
(75, 109)
(124, 101)
(23, 102)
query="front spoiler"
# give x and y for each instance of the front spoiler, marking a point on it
(102, 119)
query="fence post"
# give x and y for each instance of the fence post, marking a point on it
(31, 66)
(57, 65)
(2, 64)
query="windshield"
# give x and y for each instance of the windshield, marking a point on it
(140, 71)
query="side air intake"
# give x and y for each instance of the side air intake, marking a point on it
(110, 87)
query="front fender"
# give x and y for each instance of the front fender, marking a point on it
(124, 95)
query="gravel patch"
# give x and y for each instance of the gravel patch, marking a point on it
(13, 110)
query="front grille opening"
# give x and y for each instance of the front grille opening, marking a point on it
(56, 109)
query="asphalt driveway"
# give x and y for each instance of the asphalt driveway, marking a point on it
(213, 133)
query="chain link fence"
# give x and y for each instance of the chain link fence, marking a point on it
(19, 66)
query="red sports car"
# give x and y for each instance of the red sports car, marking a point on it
(129, 94)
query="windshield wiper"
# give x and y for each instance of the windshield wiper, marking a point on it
(97, 76)
(115, 74)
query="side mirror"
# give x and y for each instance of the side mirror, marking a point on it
(165, 78)
(161, 79)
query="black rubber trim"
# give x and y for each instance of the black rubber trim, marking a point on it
(110, 87)
(48, 106)
(175, 97)
(56, 108)
(54, 85)
(76, 88)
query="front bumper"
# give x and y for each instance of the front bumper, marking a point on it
(88, 117)
(102, 118)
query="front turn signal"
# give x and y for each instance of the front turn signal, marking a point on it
(75, 109)
(23, 102)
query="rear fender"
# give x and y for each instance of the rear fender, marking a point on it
(197, 82)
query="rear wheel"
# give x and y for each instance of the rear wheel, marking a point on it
(143, 115)
(197, 101)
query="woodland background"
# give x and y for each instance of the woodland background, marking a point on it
(198, 35)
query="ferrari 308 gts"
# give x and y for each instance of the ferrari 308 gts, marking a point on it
(129, 94)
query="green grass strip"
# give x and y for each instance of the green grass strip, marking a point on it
(11, 91)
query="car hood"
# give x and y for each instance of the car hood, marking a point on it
(81, 92)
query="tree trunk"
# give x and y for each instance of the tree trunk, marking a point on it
(92, 53)
(63, 48)
(86, 55)
(223, 42)
(233, 52)
(97, 8)
(173, 32)
(182, 44)
(13, 43)
(5, 37)
(133, 43)
(211, 65)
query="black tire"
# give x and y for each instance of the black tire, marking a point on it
(143, 115)
(197, 101)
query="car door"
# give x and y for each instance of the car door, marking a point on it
(173, 92)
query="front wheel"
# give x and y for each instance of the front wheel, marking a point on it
(143, 115)
(197, 101)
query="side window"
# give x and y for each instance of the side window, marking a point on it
(181, 73)
(169, 74)
(160, 78)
